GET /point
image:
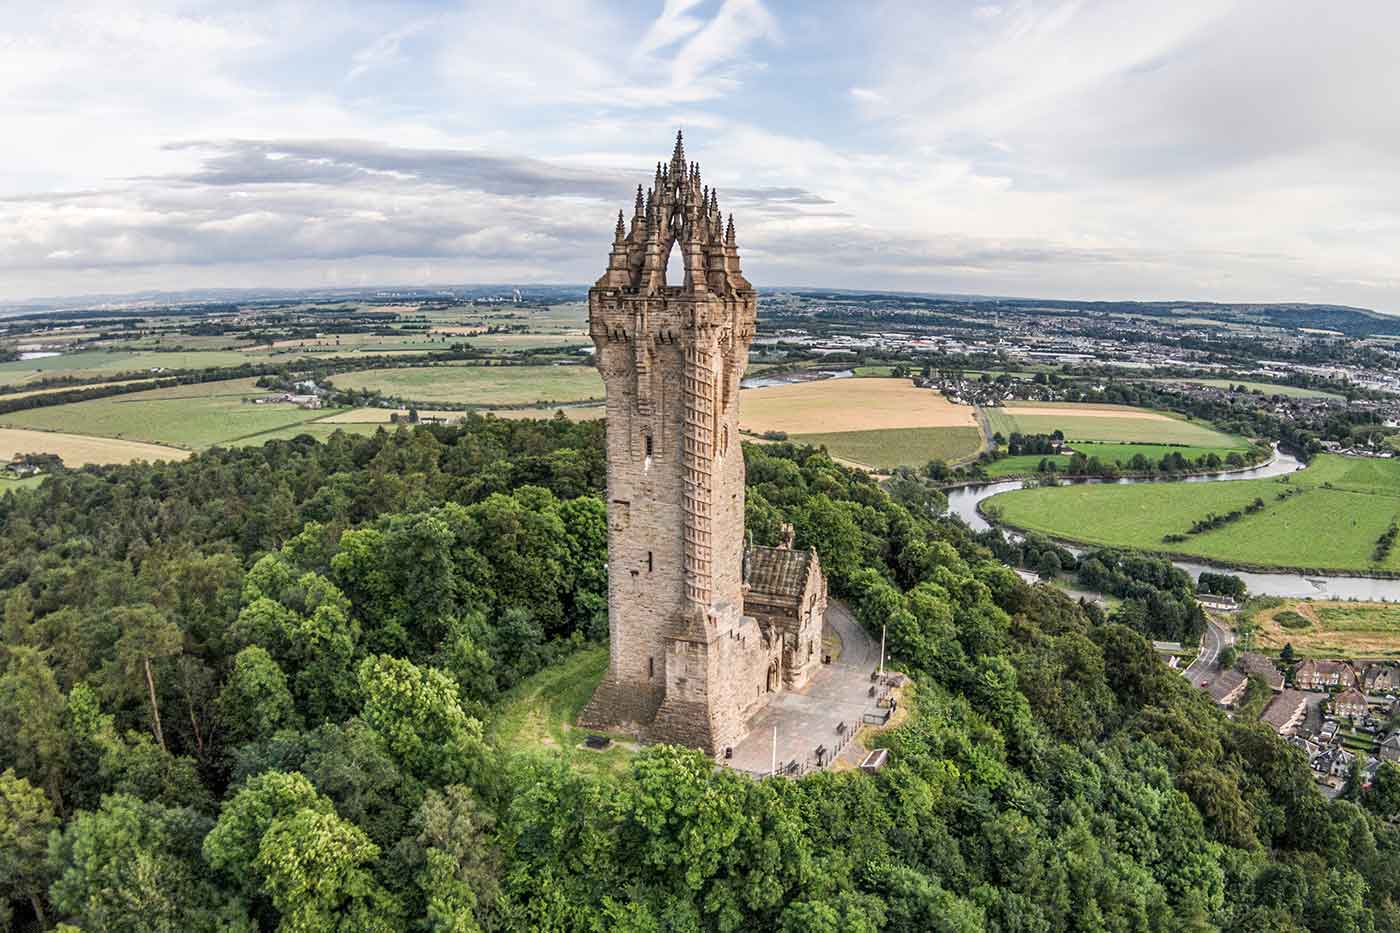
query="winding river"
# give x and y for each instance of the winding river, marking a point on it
(963, 502)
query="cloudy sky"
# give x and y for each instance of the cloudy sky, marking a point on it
(1222, 150)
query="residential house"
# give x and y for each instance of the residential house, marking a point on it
(1253, 663)
(1286, 711)
(1350, 702)
(1308, 747)
(1335, 762)
(1228, 688)
(1320, 675)
(1380, 678)
(1217, 603)
(1328, 733)
(1390, 747)
(21, 469)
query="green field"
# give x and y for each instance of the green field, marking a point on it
(887, 448)
(1268, 388)
(537, 717)
(1122, 454)
(1106, 424)
(103, 362)
(1343, 506)
(190, 416)
(29, 482)
(480, 385)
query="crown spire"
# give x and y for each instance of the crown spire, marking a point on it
(729, 232)
(621, 233)
(678, 156)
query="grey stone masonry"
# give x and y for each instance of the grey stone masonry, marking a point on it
(686, 664)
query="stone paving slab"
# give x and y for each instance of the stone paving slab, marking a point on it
(838, 692)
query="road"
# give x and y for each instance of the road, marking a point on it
(1215, 639)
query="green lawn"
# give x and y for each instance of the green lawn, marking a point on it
(537, 717)
(480, 385)
(1324, 528)
(1268, 388)
(1122, 454)
(29, 482)
(189, 416)
(1106, 424)
(888, 448)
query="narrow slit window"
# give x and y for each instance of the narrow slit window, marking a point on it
(648, 443)
(651, 668)
(650, 564)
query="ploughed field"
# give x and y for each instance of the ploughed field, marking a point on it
(1328, 516)
(1329, 629)
(874, 422)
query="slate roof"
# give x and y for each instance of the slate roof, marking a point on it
(778, 571)
(1254, 663)
(1226, 684)
(1284, 708)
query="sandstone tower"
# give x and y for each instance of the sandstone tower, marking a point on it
(686, 664)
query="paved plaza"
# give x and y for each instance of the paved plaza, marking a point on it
(808, 719)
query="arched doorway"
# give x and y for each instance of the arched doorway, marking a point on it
(773, 677)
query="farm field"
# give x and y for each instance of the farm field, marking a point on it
(886, 449)
(189, 416)
(78, 450)
(102, 363)
(875, 422)
(485, 386)
(10, 396)
(1113, 423)
(1330, 629)
(1342, 505)
(1122, 454)
(1268, 388)
(840, 405)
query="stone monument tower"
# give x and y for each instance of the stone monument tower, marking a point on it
(686, 665)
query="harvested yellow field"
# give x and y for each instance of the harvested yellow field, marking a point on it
(77, 450)
(1074, 410)
(573, 413)
(382, 415)
(836, 405)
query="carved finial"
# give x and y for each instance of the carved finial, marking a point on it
(729, 232)
(678, 156)
(639, 199)
(621, 233)
(786, 537)
(714, 200)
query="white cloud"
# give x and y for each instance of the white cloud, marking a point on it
(1233, 149)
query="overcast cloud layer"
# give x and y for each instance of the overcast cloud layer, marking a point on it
(1217, 150)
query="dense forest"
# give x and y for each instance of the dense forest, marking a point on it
(247, 691)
